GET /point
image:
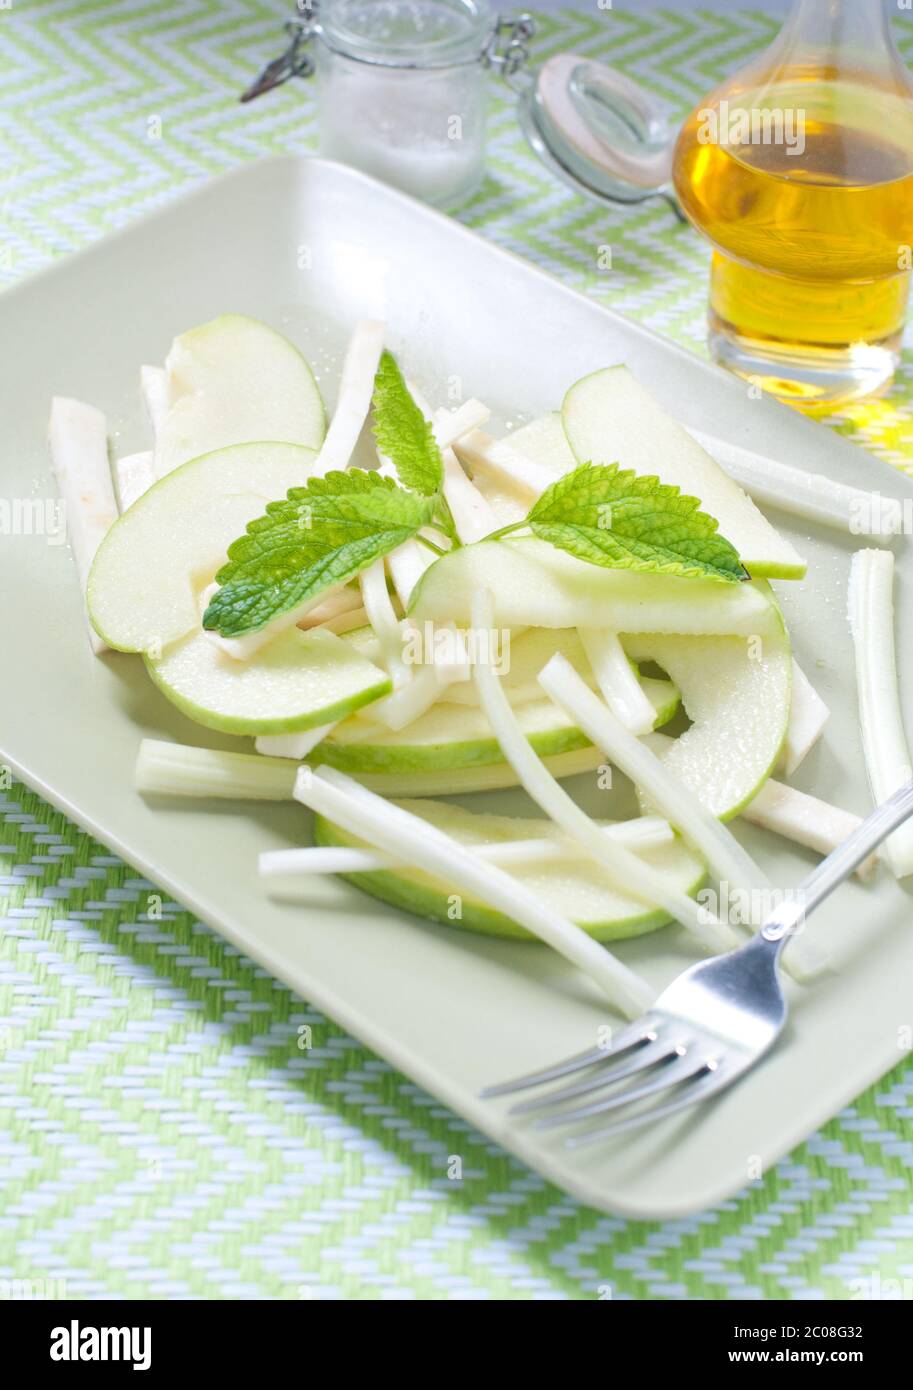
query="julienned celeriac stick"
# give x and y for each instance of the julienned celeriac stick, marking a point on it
(78, 440)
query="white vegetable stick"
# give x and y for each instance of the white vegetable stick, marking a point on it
(642, 833)
(133, 475)
(344, 600)
(804, 819)
(621, 690)
(407, 564)
(295, 746)
(808, 715)
(356, 388)
(79, 453)
(884, 743)
(243, 648)
(625, 868)
(427, 686)
(177, 769)
(729, 862)
(496, 456)
(813, 496)
(345, 622)
(391, 828)
(246, 647)
(454, 424)
(154, 388)
(382, 616)
(404, 705)
(473, 517)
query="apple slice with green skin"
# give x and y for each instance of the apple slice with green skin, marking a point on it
(235, 380)
(737, 693)
(301, 680)
(144, 585)
(609, 417)
(536, 585)
(576, 888)
(450, 736)
(464, 781)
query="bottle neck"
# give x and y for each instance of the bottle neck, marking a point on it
(858, 32)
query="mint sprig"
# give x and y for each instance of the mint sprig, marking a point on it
(325, 533)
(402, 433)
(622, 520)
(320, 536)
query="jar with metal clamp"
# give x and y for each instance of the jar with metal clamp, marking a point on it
(401, 86)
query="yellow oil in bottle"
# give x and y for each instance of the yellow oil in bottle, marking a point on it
(811, 218)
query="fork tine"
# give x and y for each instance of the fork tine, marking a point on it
(670, 1075)
(701, 1086)
(626, 1039)
(644, 1055)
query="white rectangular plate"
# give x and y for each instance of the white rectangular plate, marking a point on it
(310, 247)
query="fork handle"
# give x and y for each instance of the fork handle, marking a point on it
(838, 865)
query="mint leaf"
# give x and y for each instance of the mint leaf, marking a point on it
(623, 520)
(320, 536)
(403, 434)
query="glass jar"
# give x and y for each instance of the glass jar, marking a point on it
(402, 96)
(402, 86)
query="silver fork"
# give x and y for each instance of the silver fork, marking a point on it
(709, 1027)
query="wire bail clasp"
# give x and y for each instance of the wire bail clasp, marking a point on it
(506, 51)
(294, 61)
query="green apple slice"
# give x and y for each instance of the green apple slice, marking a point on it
(544, 442)
(737, 693)
(610, 418)
(234, 380)
(301, 680)
(535, 585)
(575, 888)
(463, 781)
(451, 736)
(444, 737)
(144, 585)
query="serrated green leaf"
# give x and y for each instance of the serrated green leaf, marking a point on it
(403, 434)
(320, 536)
(619, 519)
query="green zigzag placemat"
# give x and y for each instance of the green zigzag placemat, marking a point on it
(175, 1123)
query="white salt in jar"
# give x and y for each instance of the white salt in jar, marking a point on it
(401, 86)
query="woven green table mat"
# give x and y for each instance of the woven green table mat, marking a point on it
(162, 1131)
